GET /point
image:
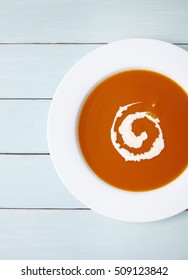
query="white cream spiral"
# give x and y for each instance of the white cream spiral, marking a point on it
(133, 141)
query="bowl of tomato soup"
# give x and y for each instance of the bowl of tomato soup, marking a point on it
(118, 130)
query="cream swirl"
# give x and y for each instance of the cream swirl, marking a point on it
(132, 140)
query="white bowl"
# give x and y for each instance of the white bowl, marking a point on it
(155, 55)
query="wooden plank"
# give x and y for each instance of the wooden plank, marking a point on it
(34, 71)
(23, 126)
(87, 235)
(31, 182)
(92, 21)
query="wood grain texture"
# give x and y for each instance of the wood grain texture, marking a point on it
(92, 20)
(23, 126)
(34, 71)
(87, 235)
(31, 181)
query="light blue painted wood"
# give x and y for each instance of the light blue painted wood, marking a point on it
(87, 235)
(31, 182)
(36, 70)
(92, 20)
(23, 126)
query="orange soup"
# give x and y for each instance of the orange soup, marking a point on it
(133, 130)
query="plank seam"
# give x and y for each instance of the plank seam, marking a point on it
(48, 209)
(25, 98)
(25, 154)
(45, 208)
(70, 43)
(52, 43)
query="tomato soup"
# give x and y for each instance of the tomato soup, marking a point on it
(133, 130)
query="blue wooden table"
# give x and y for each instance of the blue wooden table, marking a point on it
(39, 42)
